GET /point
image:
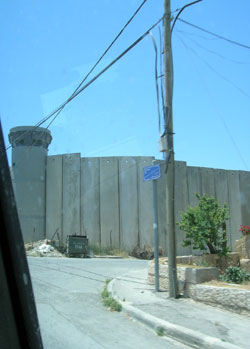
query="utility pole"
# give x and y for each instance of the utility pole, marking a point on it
(168, 87)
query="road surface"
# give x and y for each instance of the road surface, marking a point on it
(70, 309)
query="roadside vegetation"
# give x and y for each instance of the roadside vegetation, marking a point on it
(97, 250)
(108, 301)
(235, 275)
(205, 226)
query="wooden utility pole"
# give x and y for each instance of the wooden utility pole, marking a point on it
(168, 86)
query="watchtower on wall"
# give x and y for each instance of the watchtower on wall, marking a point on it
(29, 154)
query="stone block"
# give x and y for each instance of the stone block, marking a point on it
(242, 246)
(245, 264)
(237, 300)
(210, 260)
(233, 259)
(184, 260)
(184, 275)
(200, 275)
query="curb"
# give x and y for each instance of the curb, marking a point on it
(107, 257)
(177, 332)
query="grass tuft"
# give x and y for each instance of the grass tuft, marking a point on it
(160, 331)
(108, 301)
(107, 251)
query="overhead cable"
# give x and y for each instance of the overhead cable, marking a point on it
(57, 111)
(214, 34)
(105, 69)
(156, 83)
(101, 57)
(181, 10)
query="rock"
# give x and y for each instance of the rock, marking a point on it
(206, 260)
(232, 259)
(242, 246)
(145, 252)
(184, 259)
(245, 264)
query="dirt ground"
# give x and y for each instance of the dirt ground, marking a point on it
(244, 286)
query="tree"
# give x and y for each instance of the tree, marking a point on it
(205, 226)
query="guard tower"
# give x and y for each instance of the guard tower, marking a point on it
(29, 153)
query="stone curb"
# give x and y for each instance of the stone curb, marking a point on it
(182, 334)
(107, 257)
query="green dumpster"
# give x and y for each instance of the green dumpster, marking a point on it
(77, 246)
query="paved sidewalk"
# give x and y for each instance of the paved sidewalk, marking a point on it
(196, 324)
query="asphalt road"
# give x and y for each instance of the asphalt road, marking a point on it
(70, 309)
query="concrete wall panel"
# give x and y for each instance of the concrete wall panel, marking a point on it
(71, 194)
(181, 204)
(109, 202)
(90, 199)
(207, 181)
(245, 197)
(129, 230)
(28, 168)
(146, 214)
(54, 196)
(194, 184)
(234, 204)
(221, 189)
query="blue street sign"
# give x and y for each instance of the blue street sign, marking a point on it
(151, 172)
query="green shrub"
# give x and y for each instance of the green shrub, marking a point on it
(235, 275)
(205, 226)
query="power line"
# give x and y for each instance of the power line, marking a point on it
(95, 77)
(101, 57)
(211, 51)
(58, 110)
(109, 65)
(219, 74)
(156, 82)
(214, 34)
(181, 10)
(212, 100)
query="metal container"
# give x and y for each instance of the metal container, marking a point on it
(77, 246)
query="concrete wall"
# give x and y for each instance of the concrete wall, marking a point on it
(90, 199)
(28, 169)
(54, 196)
(128, 203)
(107, 199)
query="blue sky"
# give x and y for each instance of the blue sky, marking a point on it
(47, 47)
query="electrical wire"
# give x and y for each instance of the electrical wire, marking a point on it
(181, 10)
(95, 77)
(101, 57)
(221, 117)
(57, 111)
(156, 82)
(214, 34)
(212, 51)
(219, 74)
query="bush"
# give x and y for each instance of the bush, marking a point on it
(244, 229)
(205, 226)
(235, 275)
